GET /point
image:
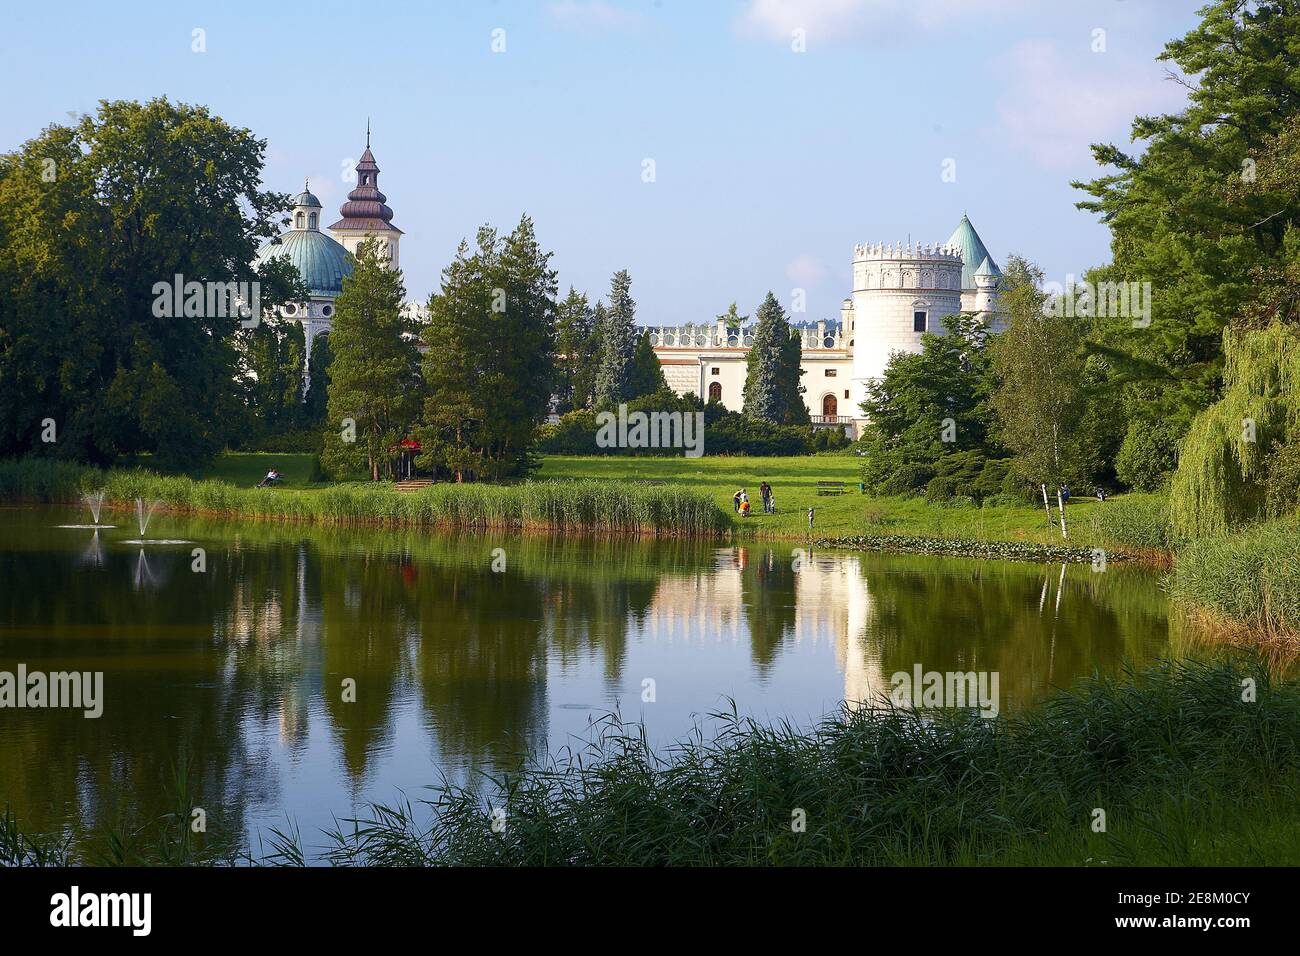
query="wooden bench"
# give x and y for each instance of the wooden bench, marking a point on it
(830, 487)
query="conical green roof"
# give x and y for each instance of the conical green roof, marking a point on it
(972, 249)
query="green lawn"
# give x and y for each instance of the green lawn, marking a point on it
(794, 482)
(246, 469)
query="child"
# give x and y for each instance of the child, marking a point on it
(744, 508)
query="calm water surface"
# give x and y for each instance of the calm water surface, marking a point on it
(458, 668)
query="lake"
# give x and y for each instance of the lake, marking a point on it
(463, 651)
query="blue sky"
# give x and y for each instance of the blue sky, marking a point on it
(769, 163)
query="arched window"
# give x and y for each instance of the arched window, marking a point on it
(715, 391)
(830, 406)
(311, 220)
(299, 220)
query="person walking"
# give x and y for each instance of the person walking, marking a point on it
(811, 515)
(735, 500)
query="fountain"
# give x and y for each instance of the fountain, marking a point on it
(142, 516)
(95, 502)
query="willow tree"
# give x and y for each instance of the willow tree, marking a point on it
(1223, 471)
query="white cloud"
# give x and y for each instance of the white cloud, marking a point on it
(1054, 106)
(594, 15)
(840, 19)
(806, 270)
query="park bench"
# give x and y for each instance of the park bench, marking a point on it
(830, 487)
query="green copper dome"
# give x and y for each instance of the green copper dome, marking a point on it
(973, 252)
(323, 262)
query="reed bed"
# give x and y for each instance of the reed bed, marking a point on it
(1251, 576)
(563, 506)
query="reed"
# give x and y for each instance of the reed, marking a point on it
(1251, 577)
(564, 506)
(1138, 522)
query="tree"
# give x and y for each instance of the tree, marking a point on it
(273, 354)
(316, 401)
(576, 345)
(1186, 214)
(928, 407)
(489, 367)
(374, 387)
(95, 218)
(732, 320)
(617, 342)
(647, 375)
(1040, 396)
(773, 366)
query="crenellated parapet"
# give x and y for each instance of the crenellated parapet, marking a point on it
(813, 336)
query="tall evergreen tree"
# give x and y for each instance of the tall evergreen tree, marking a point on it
(489, 367)
(772, 392)
(576, 345)
(617, 342)
(374, 387)
(647, 374)
(316, 398)
(1182, 214)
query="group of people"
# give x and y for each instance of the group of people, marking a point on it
(740, 500)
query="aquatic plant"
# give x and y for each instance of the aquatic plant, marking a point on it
(593, 506)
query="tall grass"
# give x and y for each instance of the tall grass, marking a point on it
(1252, 576)
(1136, 521)
(589, 506)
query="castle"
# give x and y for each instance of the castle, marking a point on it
(900, 292)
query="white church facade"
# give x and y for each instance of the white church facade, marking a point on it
(900, 292)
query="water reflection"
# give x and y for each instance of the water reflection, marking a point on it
(245, 667)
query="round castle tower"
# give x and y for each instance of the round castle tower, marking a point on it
(900, 292)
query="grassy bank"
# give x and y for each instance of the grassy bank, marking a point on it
(1185, 771)
(587, 506)
(794, 481)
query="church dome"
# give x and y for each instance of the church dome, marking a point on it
(322, 262)
(305, 198)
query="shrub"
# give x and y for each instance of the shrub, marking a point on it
(1148, 455)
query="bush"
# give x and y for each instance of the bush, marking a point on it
(1135, 520)
(967, 474)
(1148, 454)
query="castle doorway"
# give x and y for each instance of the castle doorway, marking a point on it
(830, 406)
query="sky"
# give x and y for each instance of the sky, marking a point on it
(691, 143)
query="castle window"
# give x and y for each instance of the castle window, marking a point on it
(714, 370)
(299, 221)
(311, 221)
(918, 321)
(715, 391)
(830, 373)
(846, 393)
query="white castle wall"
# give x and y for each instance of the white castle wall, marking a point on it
(890, 283)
